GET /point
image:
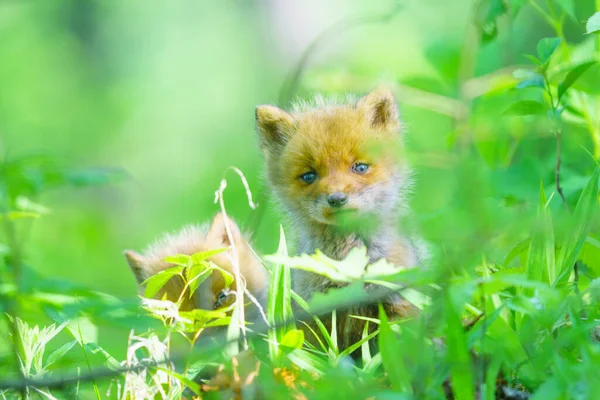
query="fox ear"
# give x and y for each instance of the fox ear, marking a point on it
(217, 234)
(381, 108)
(137, 263)
(274, 125)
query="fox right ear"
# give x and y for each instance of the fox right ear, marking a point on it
(274, 125)
(137, 264)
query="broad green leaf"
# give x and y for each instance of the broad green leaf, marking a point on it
(156, 282)
(572, 76)
(391, 355)
(197, 258)
(526, 107)
(461, 372)
(581, 222)
(546, 47)
(593, 24)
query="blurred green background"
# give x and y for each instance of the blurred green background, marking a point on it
(167, 90)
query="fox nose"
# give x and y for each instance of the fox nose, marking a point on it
(337, 199)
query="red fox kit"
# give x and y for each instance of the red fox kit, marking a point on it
(193, 239)
(329, 163)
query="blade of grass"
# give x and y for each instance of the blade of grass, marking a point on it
(582, 219)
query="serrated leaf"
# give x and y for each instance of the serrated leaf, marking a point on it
(391, 355)
(203, 255)
(593, 24)
(178, 259)
(526, 107)
(575, 238)
(196, 275)
(156, 282)
(546, 47)
(227, 276)
(572, 76)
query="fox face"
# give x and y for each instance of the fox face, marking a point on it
(332, 162)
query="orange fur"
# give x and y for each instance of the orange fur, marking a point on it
(193, 239)
(330, 139)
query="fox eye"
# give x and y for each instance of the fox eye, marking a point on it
(360, 168)
(308, 177)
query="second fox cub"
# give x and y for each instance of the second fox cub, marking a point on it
(193, 239)
(336, 171)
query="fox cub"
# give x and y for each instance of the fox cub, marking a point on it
(193, 239)
(337, 172)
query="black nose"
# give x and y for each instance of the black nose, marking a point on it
(337, 199)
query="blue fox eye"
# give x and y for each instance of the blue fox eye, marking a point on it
(308, 177)
(360, 168)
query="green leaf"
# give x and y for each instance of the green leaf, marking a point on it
(569, 7)
(197, 258)
(179, 259)
(546, 47)
(190, 384)
(461, 373)
(59, 353)
(541, 249)
(572, 76)
(526, 107)
(279, 307)
(227, 276)
(156, 282)
(575, 237)
(391, 355)
(195, 275)
(593, 24)
(515, 6)
(293, 339)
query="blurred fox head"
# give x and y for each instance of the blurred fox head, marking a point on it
(193, 239)
(326, 162)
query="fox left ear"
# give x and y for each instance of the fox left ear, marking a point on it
(137, 263)
(381, 108)
(217, 234)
